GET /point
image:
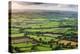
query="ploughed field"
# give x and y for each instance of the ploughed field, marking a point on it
(32, 32)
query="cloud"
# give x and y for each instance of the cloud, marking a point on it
(42, 6)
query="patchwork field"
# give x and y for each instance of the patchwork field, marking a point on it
(43, 31)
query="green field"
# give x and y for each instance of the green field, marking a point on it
(31, 32)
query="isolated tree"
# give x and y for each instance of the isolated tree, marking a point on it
(68, 44)
(40, 39)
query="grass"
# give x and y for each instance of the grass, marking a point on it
(26, 20)
(41, 48)
(25, 49)
(22, 45)
(55, 30)
(51, 24)
(17, 35)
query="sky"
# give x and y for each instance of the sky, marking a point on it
(21, 6)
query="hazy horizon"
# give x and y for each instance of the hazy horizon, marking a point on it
(24, 6)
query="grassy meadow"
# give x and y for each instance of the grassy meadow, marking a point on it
(43, 31)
